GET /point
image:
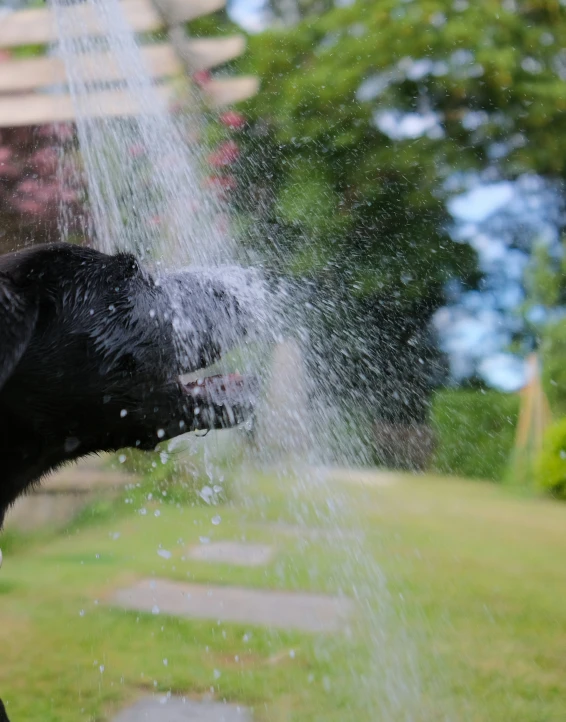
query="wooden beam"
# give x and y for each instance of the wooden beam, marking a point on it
(37, 27)
(19, 76)
(43, 108)
(204, 53)
(226, 91)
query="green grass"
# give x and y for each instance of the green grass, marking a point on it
(481, 574)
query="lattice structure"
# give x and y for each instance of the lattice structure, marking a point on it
(36, 109)
(24, 102)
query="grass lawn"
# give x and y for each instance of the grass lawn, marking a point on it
(478, 575)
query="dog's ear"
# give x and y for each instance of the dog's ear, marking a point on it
(18, 316)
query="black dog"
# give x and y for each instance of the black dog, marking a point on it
(91, 348)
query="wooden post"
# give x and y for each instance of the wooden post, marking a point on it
(534, 417)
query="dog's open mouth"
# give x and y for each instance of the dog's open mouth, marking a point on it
(222, 401)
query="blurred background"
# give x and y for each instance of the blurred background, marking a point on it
(406, 160)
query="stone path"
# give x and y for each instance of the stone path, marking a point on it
(282, 610)
(231, 552)
(61, 496)
(178, 709)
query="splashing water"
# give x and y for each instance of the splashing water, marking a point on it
(143, 171)
(146, 195)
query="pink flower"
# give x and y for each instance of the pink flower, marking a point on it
(226, 154)
(45, 161)
(232, 119)
(61, 131)
(47, 193)
(67, 195)
(202, 78)
(8, 169)
(5, 153)
(28, 186)
(29, 206)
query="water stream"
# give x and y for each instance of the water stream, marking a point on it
(144, 176)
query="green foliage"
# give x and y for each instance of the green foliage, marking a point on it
(475, 431)
(550, 467)
(542, 281)
(553, 350)
(501, 62)
(214, 25)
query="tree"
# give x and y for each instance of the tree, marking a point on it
(366, 112)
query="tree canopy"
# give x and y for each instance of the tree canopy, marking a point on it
(367, 111)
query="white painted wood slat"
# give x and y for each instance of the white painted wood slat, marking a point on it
(31, 27)
(18, 76)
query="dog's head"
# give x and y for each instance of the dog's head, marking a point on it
(92, 347)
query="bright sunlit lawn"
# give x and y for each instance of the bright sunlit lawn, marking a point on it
(482, 576)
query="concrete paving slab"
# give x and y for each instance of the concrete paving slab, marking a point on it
(179, 709)
(309, 533)
(281, 610)
(235, 553)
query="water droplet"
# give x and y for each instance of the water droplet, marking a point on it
(165, 662)
(123, 413)
(216, 674)
(216, 520)
(164, 553)
(155, 609)
(82, 613)
(122, 458)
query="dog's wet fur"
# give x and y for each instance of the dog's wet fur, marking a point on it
(91, 350)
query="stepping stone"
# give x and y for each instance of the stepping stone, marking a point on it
(230, 552)
(312, 534)
(282, 610)
(178, 709)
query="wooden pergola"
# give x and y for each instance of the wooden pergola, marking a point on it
(28, 94)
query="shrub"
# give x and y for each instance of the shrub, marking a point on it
(553, 351)
(475, 431)
(550, 466)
